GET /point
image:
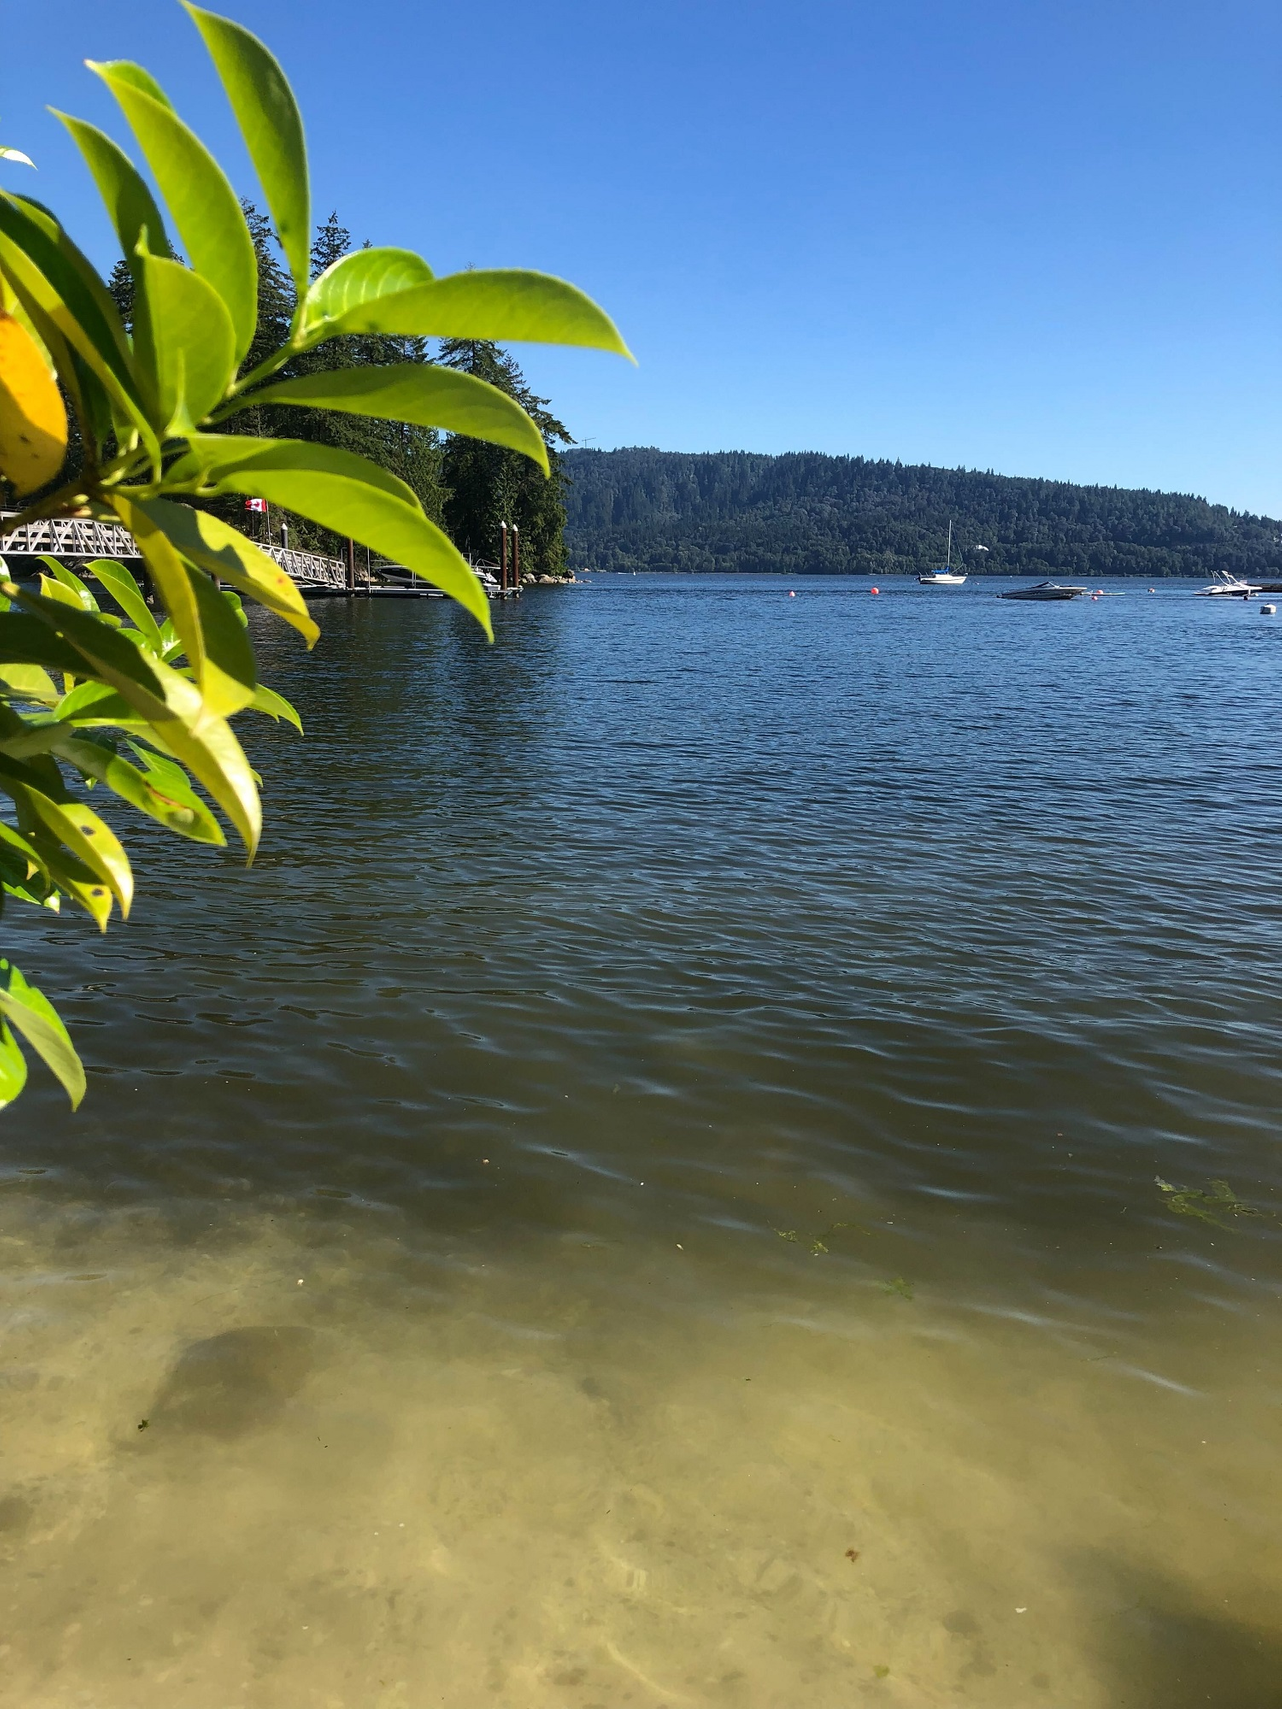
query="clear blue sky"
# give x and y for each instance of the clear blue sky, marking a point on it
(1029, 235)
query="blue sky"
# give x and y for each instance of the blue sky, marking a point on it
(1039, 236)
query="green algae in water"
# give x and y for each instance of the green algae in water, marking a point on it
(1216, 1201)
(898, 1286)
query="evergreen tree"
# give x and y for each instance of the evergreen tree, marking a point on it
(486, 484)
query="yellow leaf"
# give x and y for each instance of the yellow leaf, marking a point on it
(33, 423)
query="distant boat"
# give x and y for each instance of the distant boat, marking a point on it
(1231, 586)
(1044, 590)
(947, 577)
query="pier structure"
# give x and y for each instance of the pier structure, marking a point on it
(76, 541)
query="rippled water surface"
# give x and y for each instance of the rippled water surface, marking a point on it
(646, 1194)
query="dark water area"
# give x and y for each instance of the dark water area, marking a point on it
(669, 1131)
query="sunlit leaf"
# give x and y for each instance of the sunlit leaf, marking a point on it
(420, 393)
(33, 422)
(122, 187)
(87, 836)
(184, 813)
(229, 678)
(35, 1017)
(272, 127)
(203, 204)
(169, 577)
(184, 341)
(358, 280)
(225, 552)
(275, 706)
(345, 493)
(123, 587)
(69, 304)
(13, 1066)
(68, 579)
(503, 304)
(29, 682)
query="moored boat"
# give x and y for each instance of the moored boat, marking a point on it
(948, 576)
(1045, 590)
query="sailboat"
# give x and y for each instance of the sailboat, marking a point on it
(947, 577)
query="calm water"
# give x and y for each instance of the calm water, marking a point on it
(645, 1195)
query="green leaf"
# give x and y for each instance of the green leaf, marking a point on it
(503, 304)
(230, 676)
(25, 640)
(138, 79)
(202, 202)
(420, 393)
(87, 836)
(275, 706)
(35, 1017)
(222, 550)
(123, 587)
(355, 281)
(272, 127)
(169, 577)
(184, 813)
(13, 1067)
(75, 879)
(29, 682)
(184, 342)
(347, 494)
(130, 203)
(68, 579)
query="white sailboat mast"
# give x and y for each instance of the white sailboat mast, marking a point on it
(948, 557)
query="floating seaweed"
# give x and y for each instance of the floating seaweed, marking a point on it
(815, 1243)
(1209, 1205)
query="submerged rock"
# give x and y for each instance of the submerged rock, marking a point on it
(233, 1382)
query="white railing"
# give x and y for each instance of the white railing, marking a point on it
(75, 537)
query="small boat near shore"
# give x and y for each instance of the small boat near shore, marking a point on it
(1045, 590)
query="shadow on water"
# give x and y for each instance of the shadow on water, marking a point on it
(1161, 1648)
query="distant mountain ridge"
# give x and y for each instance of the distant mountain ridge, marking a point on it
(807, 513)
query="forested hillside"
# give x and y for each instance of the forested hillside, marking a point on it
(804, 513)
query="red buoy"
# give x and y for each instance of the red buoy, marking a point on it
(874, 590)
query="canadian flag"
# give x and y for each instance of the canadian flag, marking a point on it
(255, 504)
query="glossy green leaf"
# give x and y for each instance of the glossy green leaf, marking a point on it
(272, 127)
(122, 187)
(123, 587)
(420, 393)
(185, 814)
(347, 494)
(13, 1066)
(225, 552)
(35, 1017)
(184, 342)
(167, 776)
(25, 640)
(203, 204)
(76, 879)
(357, 281)
(503, 304)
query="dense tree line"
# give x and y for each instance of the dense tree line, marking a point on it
(805, 513)
(466, 486)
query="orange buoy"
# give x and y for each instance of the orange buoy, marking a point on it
(874, 590)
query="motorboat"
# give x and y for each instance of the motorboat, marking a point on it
(1230, 587)
(1045, 590)
(947, 577)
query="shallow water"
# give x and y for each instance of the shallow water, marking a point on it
(646, 1193)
